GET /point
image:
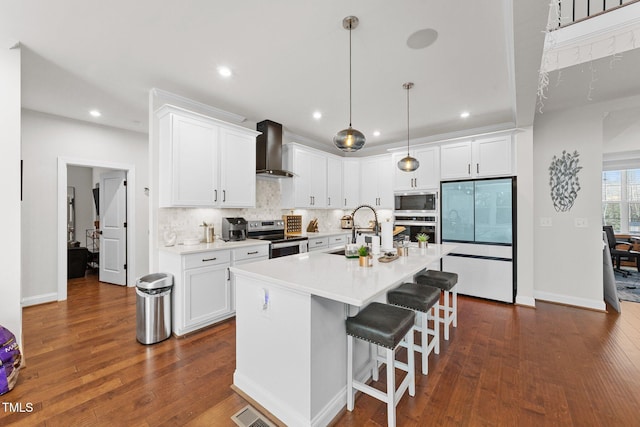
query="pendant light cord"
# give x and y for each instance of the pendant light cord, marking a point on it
(350, 25)
(408, 87)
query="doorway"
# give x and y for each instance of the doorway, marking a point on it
(129, 170)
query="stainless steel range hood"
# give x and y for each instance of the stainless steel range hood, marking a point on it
(269, 150)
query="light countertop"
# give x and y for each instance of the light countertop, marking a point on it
(215, 246)
(338, 278)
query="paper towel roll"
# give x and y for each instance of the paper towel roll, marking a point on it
(387, 236)
(375, 245)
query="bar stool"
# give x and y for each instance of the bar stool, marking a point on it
(424, 300)
(385, 326)
(447, 282)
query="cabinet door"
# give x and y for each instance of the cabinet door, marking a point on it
(428, 174)
(402, 180)
(318, 179)
(334, 183)
(237, 169)
(207, 295)
(492, 157)
(302, 161)
(385, 182)
(455, 160)
(194, 152)
(350, 183)
(369, 182)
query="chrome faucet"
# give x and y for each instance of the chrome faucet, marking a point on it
(353, 219)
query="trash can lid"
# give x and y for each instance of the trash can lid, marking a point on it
(155, 281)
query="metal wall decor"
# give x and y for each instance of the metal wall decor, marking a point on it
(563, 180)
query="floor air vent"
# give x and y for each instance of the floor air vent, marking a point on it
(250, 417)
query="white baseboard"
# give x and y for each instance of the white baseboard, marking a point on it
(569, 300)
(39, 299)
(528, 301)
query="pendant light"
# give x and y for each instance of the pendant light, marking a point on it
(408, 164)
(349, 139)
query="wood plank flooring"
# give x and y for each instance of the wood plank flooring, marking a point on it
(504, 365)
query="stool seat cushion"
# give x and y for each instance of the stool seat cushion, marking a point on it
(440, 279)
(381, 324)
(414, 296)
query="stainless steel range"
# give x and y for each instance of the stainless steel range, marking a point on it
(281, 244)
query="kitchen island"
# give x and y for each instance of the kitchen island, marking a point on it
(291, 345)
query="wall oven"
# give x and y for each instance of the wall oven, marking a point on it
(416, 203)
(281, 243)
(414, 224)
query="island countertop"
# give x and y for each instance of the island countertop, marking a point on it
(340, 279)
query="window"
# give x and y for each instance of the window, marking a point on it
(621, 200)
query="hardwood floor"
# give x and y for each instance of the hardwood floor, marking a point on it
(504, 365)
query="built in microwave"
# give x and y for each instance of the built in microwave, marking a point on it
(425, 202)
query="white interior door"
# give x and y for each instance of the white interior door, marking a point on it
(113, 228)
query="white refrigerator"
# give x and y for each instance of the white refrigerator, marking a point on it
(479, 217)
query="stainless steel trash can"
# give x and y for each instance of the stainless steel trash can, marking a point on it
(153, 307)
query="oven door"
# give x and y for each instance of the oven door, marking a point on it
(412, 228)
(280, 249)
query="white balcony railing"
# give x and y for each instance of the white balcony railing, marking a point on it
(571, 11)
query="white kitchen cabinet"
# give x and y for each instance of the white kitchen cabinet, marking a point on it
(376, 182)
(201, 290)
(334, 182)
(478, 158)
(246, 255)
(204, 162)
(318, 243)
(308, 187)
(350, 183)
(426, 177)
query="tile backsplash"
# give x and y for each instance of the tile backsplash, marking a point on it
(185, 222)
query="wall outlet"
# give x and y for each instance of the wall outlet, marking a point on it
(545, 222)
(581, 222)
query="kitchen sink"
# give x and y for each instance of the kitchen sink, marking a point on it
(338, 252)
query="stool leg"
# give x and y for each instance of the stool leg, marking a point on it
(455, 307)
(411, 361)
(350, 392)
(424, 335)
(391, 389)
(436, 327)
(446, 315)
(373, 354)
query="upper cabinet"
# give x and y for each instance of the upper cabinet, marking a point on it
(376, 181)
(479, 158)
(308, 187)
(204, 162)
(426, 177)
(334, 182)
(350, 183)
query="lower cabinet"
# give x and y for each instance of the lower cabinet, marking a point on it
(203, 293)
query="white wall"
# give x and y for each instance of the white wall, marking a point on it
(568, 259)
(45, 138)
(524, 207)
(80, 179)
(10, 101)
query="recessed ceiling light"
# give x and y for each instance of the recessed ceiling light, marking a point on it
(376, 133)
(464, 114)
(224, 71)
(317, 115)
(95, 113)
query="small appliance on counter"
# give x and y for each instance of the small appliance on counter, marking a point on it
(346, 222)
(234, 229)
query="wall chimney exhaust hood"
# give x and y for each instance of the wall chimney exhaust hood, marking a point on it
(269, 150)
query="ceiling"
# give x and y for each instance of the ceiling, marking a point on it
(288, 58)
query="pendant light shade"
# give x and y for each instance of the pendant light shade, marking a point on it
(408, 164)
(349, 139)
